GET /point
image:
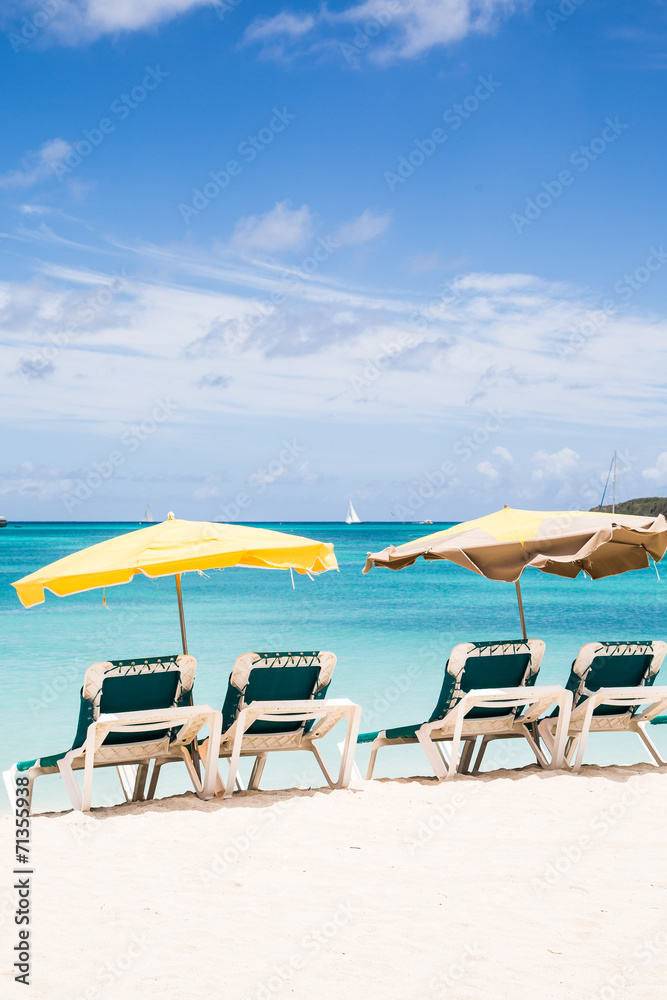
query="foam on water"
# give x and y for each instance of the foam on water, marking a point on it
(391, 632)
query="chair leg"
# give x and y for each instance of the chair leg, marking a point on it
(433, 754)
(128, 779)
(466, 756)
(648, 743)
(70, 782)
(257, 771)
(375, 746)
(323, 767)
(140, 783)
(157, 767)
(480, 755)
(355, 773)
(234, 762)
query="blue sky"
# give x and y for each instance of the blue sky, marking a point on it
(260, 259)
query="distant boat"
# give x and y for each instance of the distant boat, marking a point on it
(352, 516)
(3, 521)
(426, 522)
(148, 516)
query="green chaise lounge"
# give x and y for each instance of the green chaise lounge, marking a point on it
(489, 691)
(276, 702)
(131, 711)
(610, 683)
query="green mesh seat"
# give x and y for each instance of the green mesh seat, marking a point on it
(489, 690)
(149, 685)
(613, 690)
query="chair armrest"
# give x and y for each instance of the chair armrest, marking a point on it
(331, 709)
(191, 719)
(654, 698)
(538, 698)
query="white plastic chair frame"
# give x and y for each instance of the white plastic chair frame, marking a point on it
(93, 754)
(236, 742)
(583, 721)
(131, 759)
(455, 727)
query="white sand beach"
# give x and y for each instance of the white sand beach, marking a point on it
(513, 884)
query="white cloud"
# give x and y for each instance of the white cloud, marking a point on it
(503, 454)
(37, 167)
(402, 30)
(284, 23)
(362, 229)
(658, 472)
(84, 20)
(557, 465)
(488, 471)
(29, 481)
(282, 228)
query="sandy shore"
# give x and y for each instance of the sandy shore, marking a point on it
(516, 884)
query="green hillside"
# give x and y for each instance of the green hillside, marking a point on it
(649, 506)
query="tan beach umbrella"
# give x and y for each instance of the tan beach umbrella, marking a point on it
(171, 548)
(501, 545)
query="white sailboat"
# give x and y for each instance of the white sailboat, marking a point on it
(352, 516)
(148, 516)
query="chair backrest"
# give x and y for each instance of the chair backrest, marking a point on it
(474, 665)
(276, 677)
(134, 686)
(614, 664)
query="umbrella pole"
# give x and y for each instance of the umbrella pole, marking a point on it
(182, 616)
(523, 620)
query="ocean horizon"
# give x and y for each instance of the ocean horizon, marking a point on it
(392, 633)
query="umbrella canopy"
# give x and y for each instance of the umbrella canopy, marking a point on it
(501, 545)
(174, 547)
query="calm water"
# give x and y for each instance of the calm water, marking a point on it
(391, 632)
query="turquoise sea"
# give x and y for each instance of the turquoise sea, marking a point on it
(391, 632)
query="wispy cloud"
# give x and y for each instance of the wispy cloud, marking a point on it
(657, 473)
(281, 228)
(362, 229)
(390, 31)
(84, 20)
(37, 167)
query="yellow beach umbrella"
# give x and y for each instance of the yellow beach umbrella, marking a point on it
(500, 546)
(174, 547)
